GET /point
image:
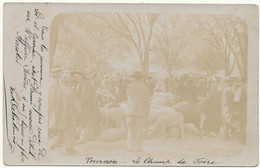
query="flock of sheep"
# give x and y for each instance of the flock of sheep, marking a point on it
(167, 118)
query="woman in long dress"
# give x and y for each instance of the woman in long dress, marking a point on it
(66, 114)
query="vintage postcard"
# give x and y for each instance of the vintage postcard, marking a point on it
(130, 84)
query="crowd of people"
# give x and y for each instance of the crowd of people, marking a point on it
(222, 100)
(75, 100)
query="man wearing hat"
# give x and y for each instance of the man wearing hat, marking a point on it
(139, 107)
(227, 106)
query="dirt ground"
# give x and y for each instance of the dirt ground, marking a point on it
(160, 149)
(168, 148)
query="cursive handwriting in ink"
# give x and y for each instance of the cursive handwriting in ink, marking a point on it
(38, 14)
(10, 144)
(24, 117)
(28, 15)
(182, 162)
(137, 161)
(44, 29)
(151, 160)
(205, 161)
(91, 160)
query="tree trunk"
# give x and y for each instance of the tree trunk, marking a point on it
(146, 68)
(146, 59)
(54, 36)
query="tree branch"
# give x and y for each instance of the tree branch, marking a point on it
(112, 27)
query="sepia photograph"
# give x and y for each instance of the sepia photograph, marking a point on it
(148, 83)
(131, 84)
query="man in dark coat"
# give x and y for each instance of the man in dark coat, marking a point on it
(139, 107)
(212, 122)
(227, 105)
(88, 117)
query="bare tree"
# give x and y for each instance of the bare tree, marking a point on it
(216, 30)
(170, 40)
(238, 43)
(138, 29)
(85, 43)
(229, 35)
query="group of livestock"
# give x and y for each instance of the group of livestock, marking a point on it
(167, 118)
(175, 111)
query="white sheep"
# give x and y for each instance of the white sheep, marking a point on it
(114, 115)
(165, 122)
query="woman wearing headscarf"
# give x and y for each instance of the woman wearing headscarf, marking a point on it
(65, 116)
